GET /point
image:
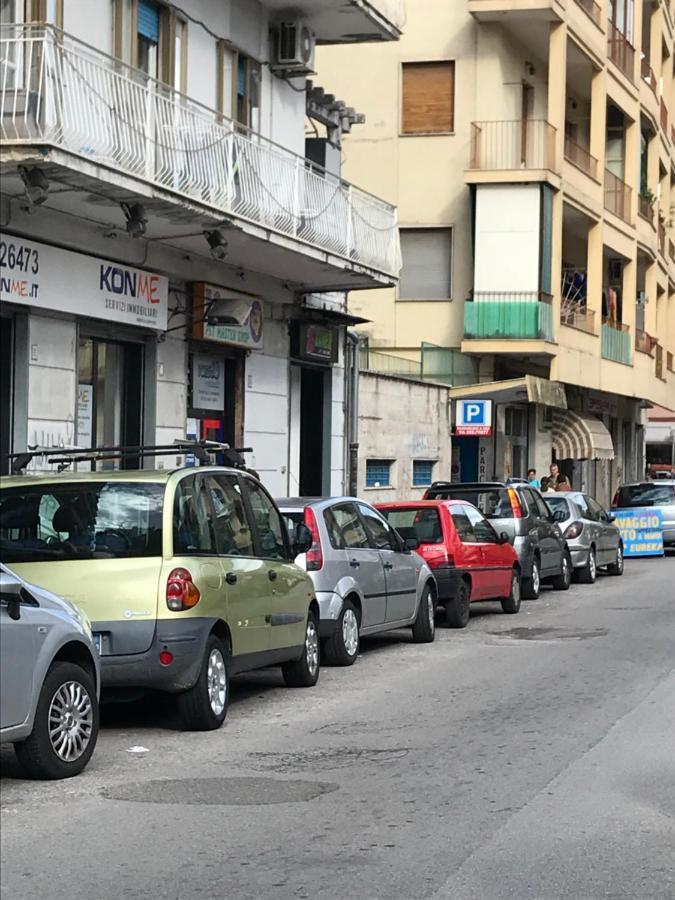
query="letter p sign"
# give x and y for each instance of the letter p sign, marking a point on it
(473, 418)
(473, 413)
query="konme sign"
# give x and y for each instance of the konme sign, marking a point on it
(473, 418)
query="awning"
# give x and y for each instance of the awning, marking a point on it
(580, 436)
(331, 316)
(528, 389)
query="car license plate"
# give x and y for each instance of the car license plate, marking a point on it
(97, 642)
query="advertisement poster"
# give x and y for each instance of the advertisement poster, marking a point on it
(641, 530)
(208, 383)
(227, 316)
(85, 410)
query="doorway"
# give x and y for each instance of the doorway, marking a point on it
(315, 385)
(6, 378)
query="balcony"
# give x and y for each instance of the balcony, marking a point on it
(574, 311)
(663, 117)
(617, 196)
(517, 12)
(592, 9)
(615, 341)
(671, 251)
(648, 76)
(509, 315)
(512, 145)
(333, 23)
(662, 237)
(644, 342)
(104, 130)
(658, 364)
(620, 51)
(581, 158)
(646, 208)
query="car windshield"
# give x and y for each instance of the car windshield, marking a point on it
(75, 520)
(421, 522)
(493, 502)
(291, 519)
(646, 495)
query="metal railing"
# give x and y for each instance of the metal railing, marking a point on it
(57, 91)
(663, 112)
(617, 196)
(648, 76)
(509, 315)
(661, 228)
(615, 341)
(388, 364)
(591, 8)
(512, 144)
(580, 157)
(646, 208)
(644, 342)
(620, 50)
(574, 311)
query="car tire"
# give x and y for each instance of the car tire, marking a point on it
(588, 573)
(304, 672)
(511, 604)
(204, 706)
(68, 696)
(616, 568)
(424, 626)
(563, 581)
(342, 647)
(531, 587)
(458, 610)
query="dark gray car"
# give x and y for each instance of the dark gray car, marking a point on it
(520, 511)
(594, 541)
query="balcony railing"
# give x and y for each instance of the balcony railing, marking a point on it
(615, 342)
(662, 237)
(658, 364)
(574, 311)
(591, 8)
(644, 342)
(670, 362)
(663, 111)
(59, 92)
(617, 196)
(648, 76)
(580, 157)
(509, 315)
(512, 144)
(646, 208)
(621, 51)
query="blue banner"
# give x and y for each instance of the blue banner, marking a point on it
(641, 530)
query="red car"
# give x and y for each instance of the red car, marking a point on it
(469, 559)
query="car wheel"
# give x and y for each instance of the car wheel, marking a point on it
(424, 626)
(457, 610)
(304, 672)
(616, 568)
(563, 581)
(66, 724)
(342, 647)
(511, 604)
(588, 573)
(204, 706)
(532, 585)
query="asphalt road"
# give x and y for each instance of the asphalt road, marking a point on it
(528, 756)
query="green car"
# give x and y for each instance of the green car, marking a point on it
(187, 577)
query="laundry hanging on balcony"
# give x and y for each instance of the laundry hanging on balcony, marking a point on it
(580, 436)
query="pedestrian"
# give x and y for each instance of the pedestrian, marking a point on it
(546, 486)
(532, 478)
(558, 478)
(562, 484)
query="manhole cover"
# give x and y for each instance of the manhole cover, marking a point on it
(219, 791)
(552, 634)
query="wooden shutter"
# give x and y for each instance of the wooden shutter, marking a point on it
(428, 98)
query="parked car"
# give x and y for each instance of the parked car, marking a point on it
(187, 576)
(519, 511)
(49, 679)
(651, 493)
(367, 579)
(470, 560)
(593, 540)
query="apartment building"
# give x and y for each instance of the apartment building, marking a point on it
(530, 148)
(177, 239)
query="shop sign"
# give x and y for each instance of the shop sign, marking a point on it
(641, 530)
(208, 383)
(473, 418)
(482, 462)
(239, 317)
(85, 404)
(47, 277)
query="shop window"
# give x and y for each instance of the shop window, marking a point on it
(428, 97)
(423, 471)
(378, 473)
(427, 264)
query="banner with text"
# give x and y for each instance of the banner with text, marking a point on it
(641, 530)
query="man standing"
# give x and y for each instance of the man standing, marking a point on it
(532, 478)
(559, 481)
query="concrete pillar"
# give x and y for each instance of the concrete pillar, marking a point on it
(599, 119)
(595, 268)
(632, 165)
(651, 289)
(557, 104)
(629, 294)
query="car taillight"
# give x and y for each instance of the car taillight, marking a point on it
(435, 556)
(573, 530)
(181, 591)
(314, 556)
(515, 503)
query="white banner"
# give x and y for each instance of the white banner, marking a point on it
(47, 277)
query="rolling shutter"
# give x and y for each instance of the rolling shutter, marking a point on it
(148, 20)
(428, 97)
(427, 264)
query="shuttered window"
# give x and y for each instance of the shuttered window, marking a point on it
(427, 264)
(428, 98)
(148, 20)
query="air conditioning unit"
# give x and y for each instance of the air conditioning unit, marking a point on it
(294, 46)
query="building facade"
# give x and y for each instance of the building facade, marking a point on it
(176, 249)
(530, 148)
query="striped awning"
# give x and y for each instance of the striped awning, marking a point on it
(580, 436)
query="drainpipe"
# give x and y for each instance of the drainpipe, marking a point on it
(353, 408)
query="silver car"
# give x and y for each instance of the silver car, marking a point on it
(49, 679)
(367, 578)
(593, 540)
(660, 494)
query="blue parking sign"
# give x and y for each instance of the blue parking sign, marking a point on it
(473, 417)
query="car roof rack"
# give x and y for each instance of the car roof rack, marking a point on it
(63, 457)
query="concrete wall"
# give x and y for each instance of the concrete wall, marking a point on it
(402, 420)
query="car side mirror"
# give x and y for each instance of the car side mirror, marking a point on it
(303, 539)
(610, 518)
(411, 543)
(504, 538)
(10, 593)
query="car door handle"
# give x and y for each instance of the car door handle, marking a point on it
(231, 578)
(272, 575)
(388, 566)
(354, 563)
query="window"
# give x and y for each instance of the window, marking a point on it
(382, 535)
(494, 503)
(463, 526)
(231, 527)
(423, 470)
(428, 98)
(351, 532)
(225, 60)
(333, 530)
(247, 92)
(422, 523)
(646, 495)
(485, 533)
(147, 37)
(152, 37)
(378, 473)
(192, 531)
(427, 264)
(596, 511)
(180, 55)
(268, 522)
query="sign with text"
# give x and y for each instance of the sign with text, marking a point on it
(85, 409)
(641, 530)
(208, 383)
(227, 317)
(47, 277)
(473, 418)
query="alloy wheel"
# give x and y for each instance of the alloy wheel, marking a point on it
(431, 612)
(592, 565)
(71, 721)
(217, 682)
(350, 632)
(312, 647)
(536, 582)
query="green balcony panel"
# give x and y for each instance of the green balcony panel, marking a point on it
(508, 319)
(616, 345)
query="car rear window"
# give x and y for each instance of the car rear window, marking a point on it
(558, 503)
(492, 502)
(422, 523)
(80, 521)
(646, 495)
